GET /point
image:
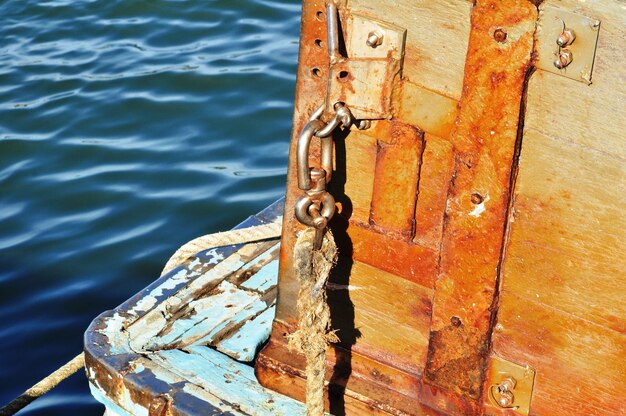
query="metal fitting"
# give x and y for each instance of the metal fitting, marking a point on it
(375, 38)
(566, 38)
(502, 394)
(563, 59)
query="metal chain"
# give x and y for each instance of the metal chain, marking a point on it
(316, 207)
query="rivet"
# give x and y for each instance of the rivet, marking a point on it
(566, 38)
(374, 39)
(563, 59)
(500, 35)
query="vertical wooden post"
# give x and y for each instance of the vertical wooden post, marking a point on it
(485, 139)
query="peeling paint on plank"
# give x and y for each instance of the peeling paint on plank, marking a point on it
(263, 280)
(243, 344)
(203, 315)
(229, 380)
(232, 325)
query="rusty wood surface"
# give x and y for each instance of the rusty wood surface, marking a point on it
(562, 307)
(580, 365)
(376, 182)
(388, 389)
(484, 140)
(396, 178)
(435, 174)
(437, 36)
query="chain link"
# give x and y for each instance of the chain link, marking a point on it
(316, 207)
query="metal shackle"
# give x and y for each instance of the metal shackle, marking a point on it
(302, 154)
(315, 212)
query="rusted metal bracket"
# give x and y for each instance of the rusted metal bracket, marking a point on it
(364, 78)
(566, 43)
(509, 387)
(485, 138)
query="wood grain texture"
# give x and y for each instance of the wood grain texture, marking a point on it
(360, 161)
(592, 115)
(369, 386)
(562, 307)
(436, 44)
(374, 294)
(484, 139)
(414, 262)
(429, 111)
(568, 231)
(580, 367)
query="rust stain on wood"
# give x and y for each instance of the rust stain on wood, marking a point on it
(396, 179)
(484, 140)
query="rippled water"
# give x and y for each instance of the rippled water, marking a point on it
(127, 128)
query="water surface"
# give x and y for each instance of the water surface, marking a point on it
(127, 128)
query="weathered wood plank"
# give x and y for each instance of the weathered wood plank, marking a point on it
(437, 38)
(203, 315)
(142, 331)
(568, 230)
(361, 385)
(231, 381)
(484, 138)
(590, 115)
(255, 264)
(396, 177)
(580, 366)
(360, 162)
(435, 175)
(244, 344)
(264, 279)
(427, 110)
(231, 325)
(374, 295)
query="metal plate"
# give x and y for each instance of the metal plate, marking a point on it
(364, 80)
(583, 48)
(500, 370)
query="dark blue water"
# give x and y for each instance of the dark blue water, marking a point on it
(127, 128)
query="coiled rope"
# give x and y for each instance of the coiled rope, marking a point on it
(206, 242)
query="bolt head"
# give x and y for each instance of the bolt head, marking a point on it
(566, 38)
(374, 39)
(563, 59)
(505, 401)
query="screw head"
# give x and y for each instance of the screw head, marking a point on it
(374, 38)
(563, 59)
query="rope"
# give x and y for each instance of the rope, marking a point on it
(206, 242)
(227, 238)
(314, 334)
(44, 386)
